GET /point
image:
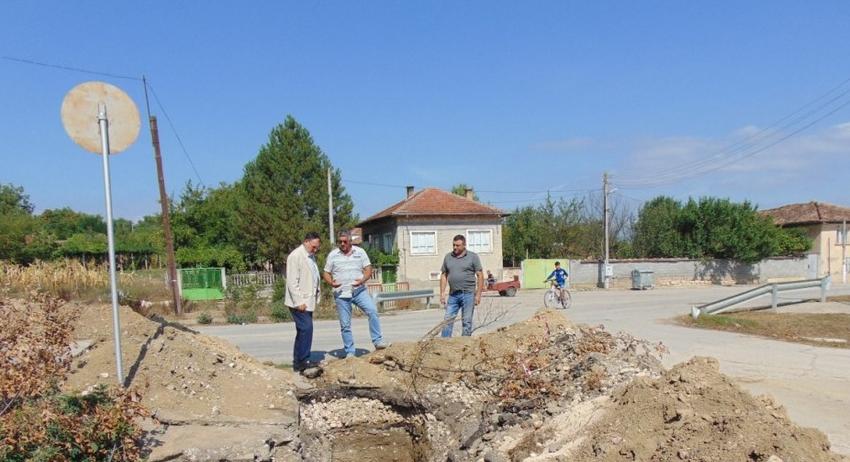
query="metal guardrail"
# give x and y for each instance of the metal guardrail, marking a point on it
(725, 304)
(382, 297)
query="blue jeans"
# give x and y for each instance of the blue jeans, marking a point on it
(458, 301)
(364, 301)
(303, 337)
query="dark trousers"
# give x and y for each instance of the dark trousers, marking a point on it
(303, 336)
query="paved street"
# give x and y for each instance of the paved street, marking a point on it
(812, 382)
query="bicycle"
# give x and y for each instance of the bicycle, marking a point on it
(557, 297)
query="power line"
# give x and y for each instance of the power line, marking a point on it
(728, 155)
(176, 133)
(370, 183)
(69, 68)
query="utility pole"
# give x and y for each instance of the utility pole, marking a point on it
(164, 205)
(606, 270)
(331, 208)
(844, 251)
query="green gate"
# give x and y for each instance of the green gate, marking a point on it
(535, 270)
(202, 283)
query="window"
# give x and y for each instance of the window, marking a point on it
(479, 240)
(387, 243)
(423, 242)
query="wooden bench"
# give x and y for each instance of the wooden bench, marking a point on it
(382, 297)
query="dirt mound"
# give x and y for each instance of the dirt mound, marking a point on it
(461, 397)
(543, 389)
(693, 412)
(183, 376)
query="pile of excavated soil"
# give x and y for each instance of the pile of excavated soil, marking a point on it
(543, 389)
(696, 413)
(183, 376)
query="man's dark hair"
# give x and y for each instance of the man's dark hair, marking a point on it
(460, 238)
(557, 263)
(311, 235)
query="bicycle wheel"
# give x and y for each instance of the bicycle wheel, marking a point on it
(566, 299)
(550, 299)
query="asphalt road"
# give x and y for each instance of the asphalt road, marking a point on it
(813, 383)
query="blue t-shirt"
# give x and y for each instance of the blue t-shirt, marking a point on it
(560, 276)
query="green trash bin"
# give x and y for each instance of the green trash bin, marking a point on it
(642, 279)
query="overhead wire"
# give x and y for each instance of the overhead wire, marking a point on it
(69, 68)
(740, 150)
(144, 81)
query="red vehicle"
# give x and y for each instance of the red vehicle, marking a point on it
(504, 288)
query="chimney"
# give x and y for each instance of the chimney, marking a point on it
(409, 191)
(469, 194)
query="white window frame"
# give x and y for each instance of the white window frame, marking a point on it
(414, 252)
(489, 243)
(387, 242)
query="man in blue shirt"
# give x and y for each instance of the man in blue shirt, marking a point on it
(560, 276)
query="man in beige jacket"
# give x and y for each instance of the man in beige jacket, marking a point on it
(302, 296)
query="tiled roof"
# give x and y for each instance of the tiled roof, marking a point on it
(435, 202)
(808, 213)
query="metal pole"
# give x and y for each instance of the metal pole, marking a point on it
(113, 279)
(606, 281)
(331, 208)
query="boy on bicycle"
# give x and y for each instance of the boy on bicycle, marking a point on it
(560, 276)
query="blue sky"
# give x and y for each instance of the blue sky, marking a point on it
(505, 96)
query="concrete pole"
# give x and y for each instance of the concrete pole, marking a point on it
(331, 208)
(606, 280)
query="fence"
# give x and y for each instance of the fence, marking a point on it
(258, 278)
(375, 288)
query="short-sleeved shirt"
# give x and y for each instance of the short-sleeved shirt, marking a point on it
(460, 270)
(346, 269)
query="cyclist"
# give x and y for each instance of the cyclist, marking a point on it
(560, 276)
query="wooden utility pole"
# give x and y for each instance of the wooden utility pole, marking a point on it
(164, 204)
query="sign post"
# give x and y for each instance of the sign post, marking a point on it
(84, 116)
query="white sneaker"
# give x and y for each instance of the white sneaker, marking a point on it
(382, 345)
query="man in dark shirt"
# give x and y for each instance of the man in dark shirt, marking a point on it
(464, 275)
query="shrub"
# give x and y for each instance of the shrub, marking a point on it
(36, 421)
(205, 318)
(280, 312)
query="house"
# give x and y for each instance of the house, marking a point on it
(421, 228)
(823, 224)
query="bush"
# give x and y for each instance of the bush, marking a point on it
(36, 421)
(205, 318)
(280, 312)
(242, 304)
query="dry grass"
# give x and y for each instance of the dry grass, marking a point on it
(70, 279)
(809, 328)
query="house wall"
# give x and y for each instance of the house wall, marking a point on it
(418, 269)
(828, 246)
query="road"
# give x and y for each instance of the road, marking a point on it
(813, 383)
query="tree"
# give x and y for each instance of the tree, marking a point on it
(283, 194)
(460, 190)
(656, 234)
(712, 228)
(13, 199)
